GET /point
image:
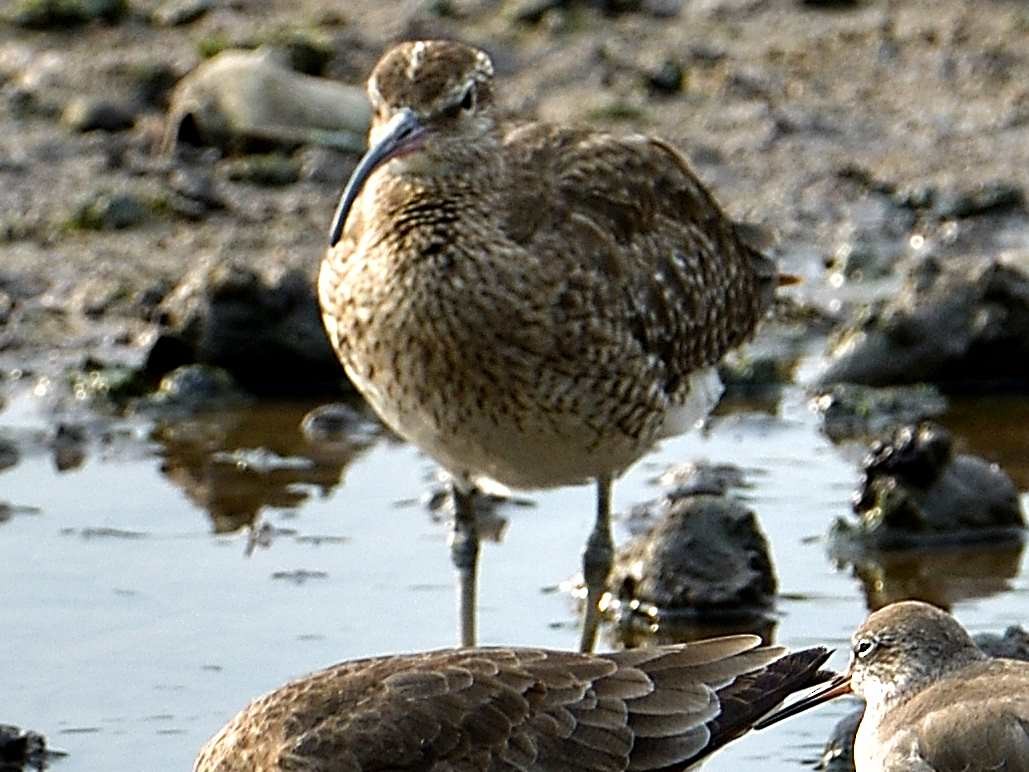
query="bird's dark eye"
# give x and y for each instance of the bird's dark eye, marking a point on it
(865, 647)
(466, 103)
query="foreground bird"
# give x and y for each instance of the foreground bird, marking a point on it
(662, 708)
(934, 701)
(529, 304)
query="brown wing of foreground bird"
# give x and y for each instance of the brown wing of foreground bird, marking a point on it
(934, 701)
(662, 708)
(527, 303)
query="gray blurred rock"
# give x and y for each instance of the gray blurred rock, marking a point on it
(840, 4)
(338, 424)
(193, 388)
(915, 492)
(850, 411)
(90, 113)
(533, 11)
(108, 211)
(666, 79)
(838, 754)
(706, 556)
(873, 237)
(193, 193)
(662, 9)
(61, 14)
(265, 330)
(8, 454)
(700, 477)
(963, 326)
(242, 97)
(6, 307)
(755, 373)
(69, 444)
(997, 197)
(173, 13)
(326, 166)
(22, 748)
(1012, 644)
(272, 170)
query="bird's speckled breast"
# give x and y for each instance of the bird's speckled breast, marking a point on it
(457, 358)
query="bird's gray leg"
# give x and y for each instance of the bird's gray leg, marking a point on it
(464, 552)
(596, 564)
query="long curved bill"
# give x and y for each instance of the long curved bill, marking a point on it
(400, 135)
(837, 687)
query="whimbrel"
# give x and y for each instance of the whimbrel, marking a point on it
(934, 701)
(661, 708)
(528, 303)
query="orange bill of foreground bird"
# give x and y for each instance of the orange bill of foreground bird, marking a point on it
(664, 708)
(934, 701)
(530, 304)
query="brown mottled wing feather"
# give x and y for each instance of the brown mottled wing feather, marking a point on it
(492, 709)
(656, 253)
(479, 709)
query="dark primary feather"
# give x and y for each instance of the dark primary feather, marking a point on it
(753, 695)
(512, 709)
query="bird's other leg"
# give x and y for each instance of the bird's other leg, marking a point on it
(596, 564)
(464, 552)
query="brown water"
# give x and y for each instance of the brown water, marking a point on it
(138, 615)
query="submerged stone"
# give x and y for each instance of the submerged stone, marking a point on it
(996, 197)
(1013, 643)
(193, 388)
(264, 330)
(705, 557)
(63, 14)
(338, 423)
(88, 113)
(960, 327)
(852, 411)
(915, 492)
(266, 169)
(103, 211)
(20, 748)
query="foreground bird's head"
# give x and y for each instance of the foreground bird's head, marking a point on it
(904, 646)
(431, 110)
(897, 651)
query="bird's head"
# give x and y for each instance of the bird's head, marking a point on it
(898, 650)
(431, 106)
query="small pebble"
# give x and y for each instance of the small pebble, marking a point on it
(271, 170)
(179, 12)
(87, 113)
(108, 211)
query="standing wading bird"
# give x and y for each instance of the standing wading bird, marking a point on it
(933, 701)
(528, 303)
(660, 709)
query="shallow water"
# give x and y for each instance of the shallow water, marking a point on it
(139, 616)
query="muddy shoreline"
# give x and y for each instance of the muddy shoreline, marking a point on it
(861, 136)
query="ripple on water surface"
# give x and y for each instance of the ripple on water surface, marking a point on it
(173, 572)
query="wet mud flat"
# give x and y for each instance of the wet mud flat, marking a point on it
(179, 531)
